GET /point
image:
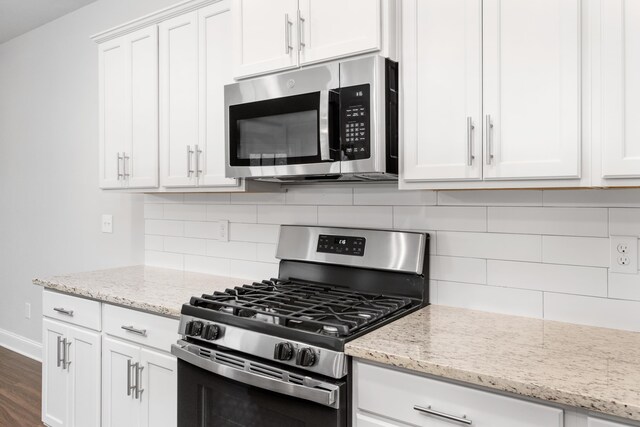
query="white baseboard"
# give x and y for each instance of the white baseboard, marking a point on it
(20, 344)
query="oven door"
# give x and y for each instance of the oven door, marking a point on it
(217, 388)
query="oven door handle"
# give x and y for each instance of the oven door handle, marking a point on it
(325, 125)
(325, 396)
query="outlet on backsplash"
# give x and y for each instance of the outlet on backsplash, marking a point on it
(624, 254)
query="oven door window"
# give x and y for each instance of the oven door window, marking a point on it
(207, 400)
(282, 131)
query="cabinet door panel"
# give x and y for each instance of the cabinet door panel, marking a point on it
(442, 90)
(143, 162)
(118, 408)
(531, 60)
(114, 114)
(85, 377)
(595, 422)
(178, 98)
(262, 31)
(331, 30)
(55, 379)
(216, 57)
(620, 88)
(160, 384)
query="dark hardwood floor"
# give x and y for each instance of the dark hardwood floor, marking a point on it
(20, 379)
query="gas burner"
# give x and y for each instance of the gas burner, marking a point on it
(329, 330)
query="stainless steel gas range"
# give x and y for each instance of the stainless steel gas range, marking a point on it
(271, 353)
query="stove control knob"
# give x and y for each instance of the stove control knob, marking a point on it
(283, 351)
(211, 332)
(306, 357)
(193, 328)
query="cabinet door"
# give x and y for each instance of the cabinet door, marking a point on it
(265, 36)
(595, 422)
(216, 58)
(119, 409)
(159, 380)
(442, 89)
(142, 162)
(114, 111)
(55, 379)
(368, 421)
(531, 88)
(620, 88)
(179, 99)
(330, 29)
(84, 369)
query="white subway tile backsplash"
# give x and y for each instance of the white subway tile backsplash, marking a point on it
(259, 233)
(453, 269)
(548, 277)
(490, 198)
(440, 218)
(624, 286)
(266, 253)
(207, 265)
(588, 251)
(258, 198)
(319, 195)
(596, 198)
(287, 214)
(164, 228)
(208, 198)
(185, 212)
(624, 222)
(231, 250)
(185, 245)
(387, 195)
(609, 313)
(233, 213)
(153, 211)
(154, 243)
(251, 270)
(163, 198)
(202, 230)
(517, 302)
(555, 221)
(164, 259)
(356, 216)
(517, 247)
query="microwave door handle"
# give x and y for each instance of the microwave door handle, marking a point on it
(325, 149)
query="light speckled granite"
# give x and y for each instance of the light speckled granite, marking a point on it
(152, 289)
(592, 368)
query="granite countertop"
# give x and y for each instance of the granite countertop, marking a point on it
(597, 369)
(155, 290)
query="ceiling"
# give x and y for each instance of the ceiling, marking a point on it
(19, 16)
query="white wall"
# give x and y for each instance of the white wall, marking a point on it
(541, 254)
(50, 202)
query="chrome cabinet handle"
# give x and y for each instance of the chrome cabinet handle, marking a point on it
(130, 387)
(141, 332)
(489, 137)
(198, 151)
(189, 153)
(119, 157)
(139, 369)
(125, 161)
(287, 34)
(65, 356)
(301, 21)
(63, 311)
(470, 129)
(58, 358)
(429, 411)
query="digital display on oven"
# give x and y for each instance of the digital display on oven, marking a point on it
(342, 245)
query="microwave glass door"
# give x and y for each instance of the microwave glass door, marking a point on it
(281, 131)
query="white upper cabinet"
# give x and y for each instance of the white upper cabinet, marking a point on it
(531, 85)
(442, 89)
(216, 70)
(128, 100)
(620, 88)
(265, 36)
(330, 29)
(179, 100)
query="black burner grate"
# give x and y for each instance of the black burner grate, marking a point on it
(318, 308)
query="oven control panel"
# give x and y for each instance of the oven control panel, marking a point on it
(355, 118)
(342, 245)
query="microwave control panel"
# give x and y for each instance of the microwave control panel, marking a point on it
(341, 245)
(355, 106)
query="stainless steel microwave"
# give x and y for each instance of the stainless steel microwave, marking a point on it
(333, 122)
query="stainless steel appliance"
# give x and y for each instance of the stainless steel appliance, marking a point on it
(272, 353)
(332, 122)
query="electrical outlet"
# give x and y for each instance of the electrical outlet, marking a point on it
(107, 223)
(624, 254)
(27, 310)
(224, 231)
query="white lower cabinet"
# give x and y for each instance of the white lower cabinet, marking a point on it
(70, 375)
(387, 397)
(596, 422)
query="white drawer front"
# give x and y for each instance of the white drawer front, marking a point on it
(596, 422)
(144, 328)
(70, 309)
(394, 394)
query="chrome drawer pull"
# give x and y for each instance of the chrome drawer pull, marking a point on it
(429, 411)
(63, 311)
(142, 332)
